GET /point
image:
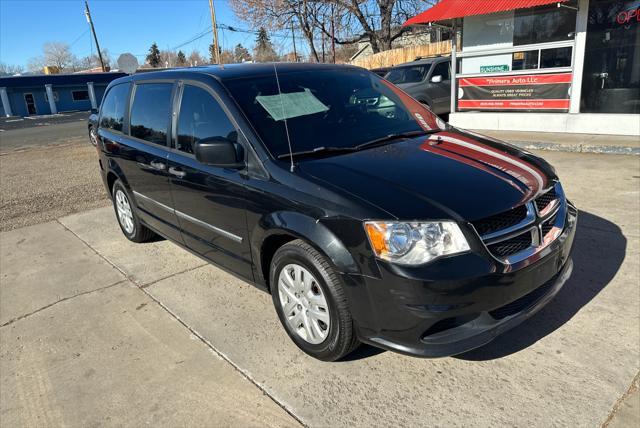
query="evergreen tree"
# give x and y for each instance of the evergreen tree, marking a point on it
(181, 59)
(241, 54)
(154, 56)
(264, 49)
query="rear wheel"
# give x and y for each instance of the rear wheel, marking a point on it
(128, 220)
(310, 302)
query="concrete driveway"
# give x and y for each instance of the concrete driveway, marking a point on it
(96, 330)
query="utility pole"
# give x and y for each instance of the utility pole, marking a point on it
(93, 30)
(293, 35)
(214, 27)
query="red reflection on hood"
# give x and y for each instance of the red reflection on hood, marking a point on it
(425, 117)
(484, 157)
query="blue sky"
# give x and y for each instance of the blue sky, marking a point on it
(121, 25)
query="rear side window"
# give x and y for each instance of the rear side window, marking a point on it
(113, 107)
(201, 117)
(150, 112)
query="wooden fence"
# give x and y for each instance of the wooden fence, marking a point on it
(400, 55)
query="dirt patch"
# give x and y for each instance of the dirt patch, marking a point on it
(43, 184)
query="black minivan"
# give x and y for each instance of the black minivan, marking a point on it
(366, 217)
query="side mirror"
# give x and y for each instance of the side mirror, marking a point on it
(436, 79)
(94, 111)
(219, 151)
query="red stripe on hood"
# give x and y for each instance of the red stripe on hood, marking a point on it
(526, 173)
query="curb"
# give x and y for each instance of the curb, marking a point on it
(577, 148)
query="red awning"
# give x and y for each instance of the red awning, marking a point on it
(449, 9)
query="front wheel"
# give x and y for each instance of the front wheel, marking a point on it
(311, 303)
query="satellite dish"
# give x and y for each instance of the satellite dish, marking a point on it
(127, 63)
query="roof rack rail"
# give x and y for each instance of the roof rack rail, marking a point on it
(430, 56)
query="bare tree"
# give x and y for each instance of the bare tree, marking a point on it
(280, 15)
(59, 55)
(377, 21)
(9, 69)
(93, 61)
(347, 21)
(196, 59)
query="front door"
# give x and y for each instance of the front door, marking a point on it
(31, 104)
(611, 79)
(142, 155)
(441, 92)
(209, 201)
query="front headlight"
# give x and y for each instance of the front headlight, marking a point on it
(414, 243)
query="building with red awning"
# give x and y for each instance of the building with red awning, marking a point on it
(543, 65)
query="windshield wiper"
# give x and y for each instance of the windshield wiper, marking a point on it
(317, 151)
(322, 150)
(395, 136)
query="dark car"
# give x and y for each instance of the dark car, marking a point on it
(381, 71)
(366, 217)
(428, 80)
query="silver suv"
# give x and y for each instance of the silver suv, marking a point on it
(428, 80)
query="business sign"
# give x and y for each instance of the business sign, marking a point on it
(521, 92)
(493, 68)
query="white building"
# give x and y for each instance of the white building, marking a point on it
(544, 65)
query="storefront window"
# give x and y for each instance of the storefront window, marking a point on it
(544, 24)
(611, 79)
(525, 60)
(555, 57)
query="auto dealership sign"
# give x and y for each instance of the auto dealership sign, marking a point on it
(521, 92)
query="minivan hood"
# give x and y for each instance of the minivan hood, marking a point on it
(450, 174)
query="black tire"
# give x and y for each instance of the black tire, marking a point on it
(139, 233)
(341, 338)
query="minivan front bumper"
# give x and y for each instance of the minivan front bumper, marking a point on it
(459, 303)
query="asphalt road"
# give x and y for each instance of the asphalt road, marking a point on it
(95, 330)
(27, 133)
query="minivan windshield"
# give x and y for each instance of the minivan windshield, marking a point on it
(408, 74)
(332, 107)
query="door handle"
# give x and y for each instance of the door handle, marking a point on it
(177, 172)
(160, 166)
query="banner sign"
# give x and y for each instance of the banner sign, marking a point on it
(521, 92)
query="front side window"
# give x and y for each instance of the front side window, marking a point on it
(412, 74)
(442, 69)
(339, 107)
(150, 112)
(113, 107)
(201, 117)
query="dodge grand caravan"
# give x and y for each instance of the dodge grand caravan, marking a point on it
(366, 217)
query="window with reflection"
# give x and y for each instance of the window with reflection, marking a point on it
(150, 112)
(201, 117)
(113, 107)
(526, 60)
(544, 24)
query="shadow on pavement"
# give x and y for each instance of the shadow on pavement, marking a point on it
(598, 251)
